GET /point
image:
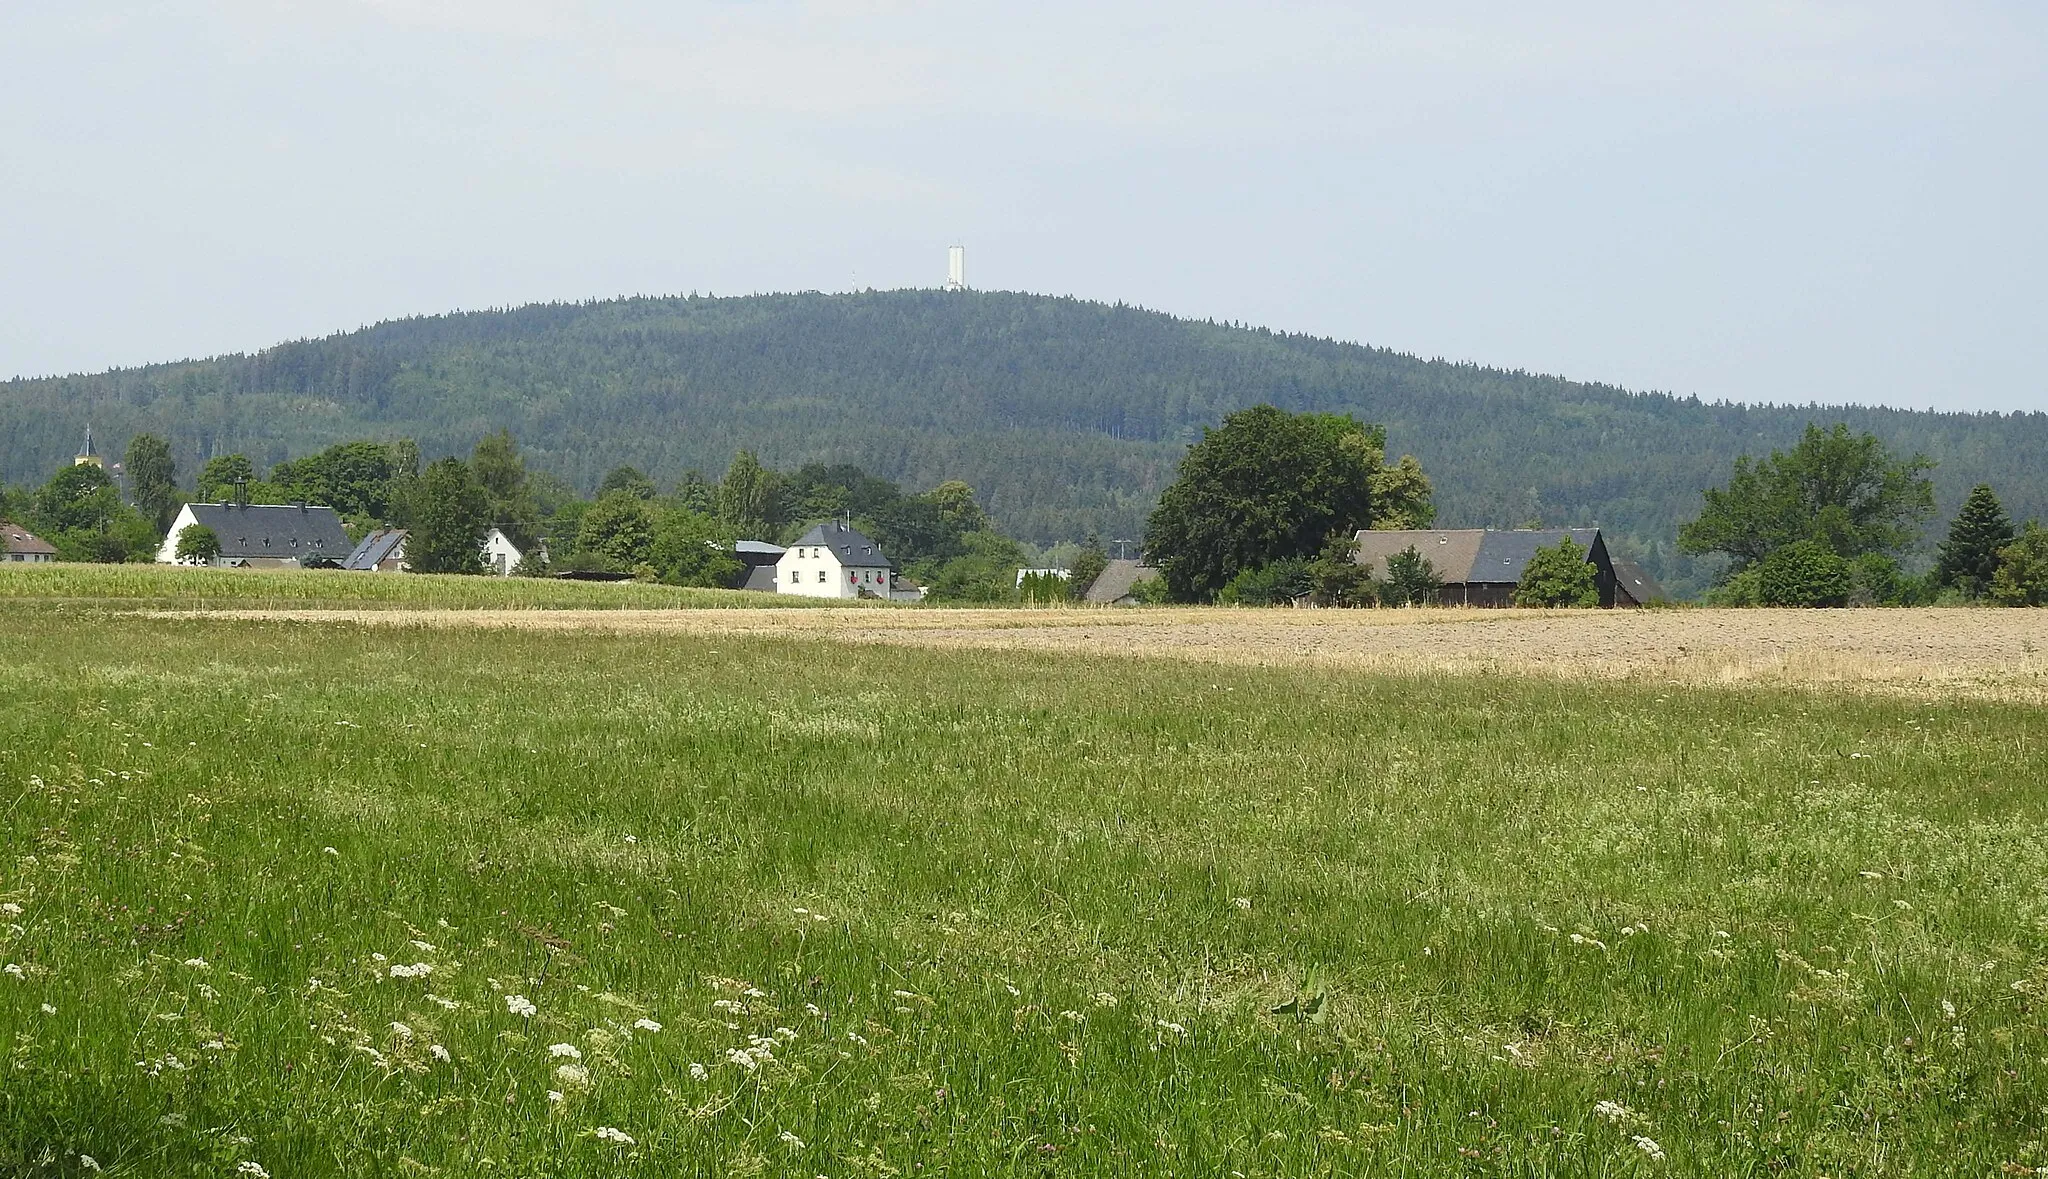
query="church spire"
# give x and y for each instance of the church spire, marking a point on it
(87, 456)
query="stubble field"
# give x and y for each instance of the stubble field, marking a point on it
(1080, 894)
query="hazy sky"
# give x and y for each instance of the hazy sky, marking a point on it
(1783, 200)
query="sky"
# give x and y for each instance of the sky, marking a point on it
(1785, 201)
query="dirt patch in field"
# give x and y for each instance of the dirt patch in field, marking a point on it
(1981, 653)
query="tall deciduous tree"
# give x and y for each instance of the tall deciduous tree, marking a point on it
(218, 477)
(1086, 566)
(1558, 575)
(152, 478)
(2022, 577)
(1412, 580)
(501, 469)
(619, 527)
(450, 515)
(749, 497)
(1843, 491)
(1969, 557)
(1265, 486)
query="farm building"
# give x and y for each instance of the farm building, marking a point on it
(502, 557)
(758, 560)
(1482, 566)
(263, 535)
(19, 544)
(1118, 583)
(1633, 585)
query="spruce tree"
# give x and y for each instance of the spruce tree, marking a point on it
(1969, 557)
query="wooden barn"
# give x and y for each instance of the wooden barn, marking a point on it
(1482, 566)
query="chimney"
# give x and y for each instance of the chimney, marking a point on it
(241, 493)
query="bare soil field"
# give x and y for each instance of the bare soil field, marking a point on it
(1995, 654)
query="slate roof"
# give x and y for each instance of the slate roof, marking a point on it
(1636, 582)
(375, 549)
(1117, 580)
(278, 531)
(16, 539)
(1468, 556)
(848, 544)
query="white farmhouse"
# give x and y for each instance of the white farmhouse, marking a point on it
(262, 536)
(502, 557)
(833, 560)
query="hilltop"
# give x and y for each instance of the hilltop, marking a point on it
(1067, 415)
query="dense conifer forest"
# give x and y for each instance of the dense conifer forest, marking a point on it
(1066, 416)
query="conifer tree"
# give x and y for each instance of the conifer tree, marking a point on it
(1969, 557)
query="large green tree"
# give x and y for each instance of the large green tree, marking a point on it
(619, 528)
(1969, 556)
(152, 478)
(218, 477)
(450, 514)
(2022, 577)
(501, 469)
(357, 479)
(1845, 492)
(1265, 486)
(1558, 575)
(750, 496)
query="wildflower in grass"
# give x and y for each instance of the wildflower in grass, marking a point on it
(13, 969)
(698, 1072)
(89, 1163)
(401, 1031)
(252, 1170)
(742, 1057)
(330, 851)
(519, 1005)
(416, 970)
(647, 1025)
(445, 1004)
(49, 1010)
(439, 1053)
(207, 992)
(423, 947)
(857, 1038)
(814, 1011)
(555, 1097)
(631, 839)
(197, 964)
(792, 1140)
(1072, 1016)
(1649, 1147)
(1244, 903)
(1614, 1111)
(1169, 1026)
(614, 1134)
(573, 1076)
(1105, 999)
(561, 1050)
(11, 909)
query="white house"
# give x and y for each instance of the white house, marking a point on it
(503, 557)
(833, 560)
(262, 535)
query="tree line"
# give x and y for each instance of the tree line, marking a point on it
(682, 534)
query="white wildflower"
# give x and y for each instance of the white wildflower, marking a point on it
(49, 1010)
(88, 1162)
(857, 1038)
(1165, 1025)
(757, 993)
(13, 969)
(416, 970)
(439, 1053)
(207, 992)
(378, 958)
(197, 964)
(445, 1003)
(1649, 1147)
(814, 1011)
(575, 1076)
(632, 839)
(1072, 1015)
(794, 1142)
(11, 909)
(520, 1005)
(569, 1050)
(647, 1025)
(614, 1134)
(423, 947)
(215, 1045)
(743, 1058)
(330, 851)
(1614, 1111)
(1948, 1010)
(1105, 999)
(401, 1031)
(1242, 902)
(555, 1097)
(253, 1170)
(698, 1072)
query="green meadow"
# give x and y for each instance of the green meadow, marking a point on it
(170, 586)
(295, 900)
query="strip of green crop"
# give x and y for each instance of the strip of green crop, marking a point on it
(359, 901)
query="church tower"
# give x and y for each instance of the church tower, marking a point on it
(87, 456)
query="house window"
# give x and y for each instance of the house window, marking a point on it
(821, 576)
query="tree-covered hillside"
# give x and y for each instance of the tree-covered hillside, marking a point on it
(1067, 416)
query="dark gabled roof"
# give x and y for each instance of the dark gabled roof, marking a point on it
(16, 539)
(847, 544)
(1117, 580)
(280, 531)
(375, 549)
(1504, 555)
(1636, 582)
(761, 579)
(1468, 555)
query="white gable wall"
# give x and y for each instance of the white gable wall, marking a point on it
(815, 571)
(168, 554)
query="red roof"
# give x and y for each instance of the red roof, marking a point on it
(16, 539)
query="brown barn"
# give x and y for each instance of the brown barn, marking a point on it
(1482, 566)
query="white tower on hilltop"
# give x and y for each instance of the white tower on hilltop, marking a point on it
(956, 268)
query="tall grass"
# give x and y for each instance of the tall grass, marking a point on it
(286, 895)
(203, 588)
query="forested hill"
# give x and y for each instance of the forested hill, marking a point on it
(1068, 416)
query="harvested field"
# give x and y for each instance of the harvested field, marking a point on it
(1986, 654)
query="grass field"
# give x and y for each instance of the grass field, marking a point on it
(168, 586)
(350, 899)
